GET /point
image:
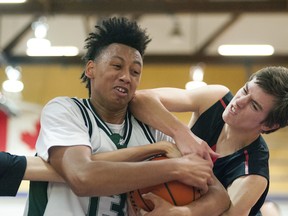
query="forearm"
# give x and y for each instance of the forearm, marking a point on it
(244, 192)
(116, 178)
(139, 153)
(149, 109)
(39, 170)
(87, 177)
(214, 202)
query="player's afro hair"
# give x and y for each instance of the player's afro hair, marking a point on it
(114, 30)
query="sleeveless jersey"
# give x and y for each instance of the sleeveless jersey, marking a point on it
(252, 159)
(12, 169)
(68, 122)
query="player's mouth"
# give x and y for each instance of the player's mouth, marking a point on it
(121, 90)
(233, 109)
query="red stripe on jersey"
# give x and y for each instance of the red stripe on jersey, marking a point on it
(214, 149)
(223, 103)
(246, 162)
(3, 130)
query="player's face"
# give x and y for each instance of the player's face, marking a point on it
(249, 107)
(115, 76)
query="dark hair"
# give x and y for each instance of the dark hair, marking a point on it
(114, 30)
(273, 80)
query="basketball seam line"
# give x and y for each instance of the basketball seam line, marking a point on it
(171, 195)
(143, 200)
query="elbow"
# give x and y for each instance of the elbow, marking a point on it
(80, 184)
(143, 94)
(80, 191)
(221, 194)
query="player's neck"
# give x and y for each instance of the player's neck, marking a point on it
(109, 115)
(231, 140)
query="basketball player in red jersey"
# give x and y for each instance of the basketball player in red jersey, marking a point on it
(232, 126)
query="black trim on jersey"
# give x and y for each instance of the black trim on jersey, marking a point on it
(99, 121)
(128, 131)
(85, 115)
(92, 208)
(38, 198)
(147, 131)
(101, 124)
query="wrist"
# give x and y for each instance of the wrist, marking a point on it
(179, 131)
(181, 210)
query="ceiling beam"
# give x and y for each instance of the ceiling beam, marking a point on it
(14, 41)
(220, 31)
(158, 59)
(144, 6)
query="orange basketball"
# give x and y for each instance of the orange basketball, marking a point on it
(175, 192)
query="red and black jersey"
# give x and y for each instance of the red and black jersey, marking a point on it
(252, 159)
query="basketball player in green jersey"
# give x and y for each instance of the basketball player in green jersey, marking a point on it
(74, 130)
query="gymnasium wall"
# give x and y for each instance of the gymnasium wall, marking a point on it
(43, 82)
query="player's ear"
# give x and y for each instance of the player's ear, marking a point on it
(90, 66)
(265, 128)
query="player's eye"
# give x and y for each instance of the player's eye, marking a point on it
(254, 106)
(245, 91)
(117, 66)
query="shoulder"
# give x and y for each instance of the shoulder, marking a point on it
(216, 91)
(60, 108)
(60, 100)
(210, 94)
(63, 102)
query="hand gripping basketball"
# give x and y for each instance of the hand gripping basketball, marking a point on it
(174, 192)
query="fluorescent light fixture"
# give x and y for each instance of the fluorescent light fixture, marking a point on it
(40, 27)
(11, 1)
(38, 43)
(245, 50)
(12, 73)
(13, 86)
(53, 51)
(194, 84)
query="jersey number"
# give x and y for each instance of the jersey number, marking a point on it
(109, 206)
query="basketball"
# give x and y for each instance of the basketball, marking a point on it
(175, 192)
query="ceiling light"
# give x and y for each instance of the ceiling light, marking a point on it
(40, 46)
(53, 51)
(38, 43)
(196, 73)
(194, 84)
(245, 50)
(40, 27)
(13, 86)
(12, 73)
(11, 1)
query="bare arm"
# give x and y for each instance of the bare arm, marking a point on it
(244, 193)
(87, 177)
(139, 153)
(153, 106)
(38, 170)
(213, 203)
